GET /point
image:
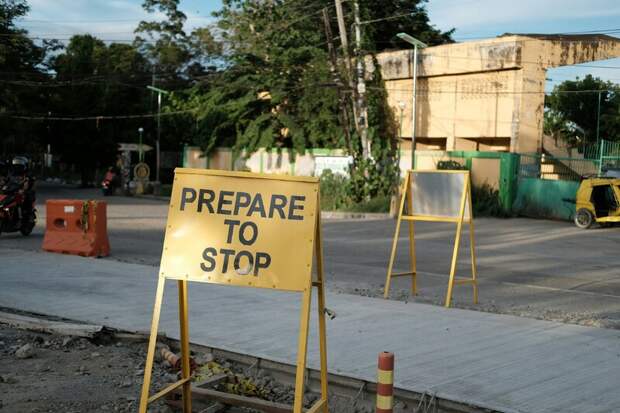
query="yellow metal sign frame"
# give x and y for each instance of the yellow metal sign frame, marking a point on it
(306, 291)
(411, 217)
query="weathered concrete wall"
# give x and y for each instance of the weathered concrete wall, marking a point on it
(261, 161)
(465, 106)
(484, 95)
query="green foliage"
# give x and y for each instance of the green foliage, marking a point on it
(581, 108)
(486, 202)
(556, 126)
(257, 77)
(20, 62)
(409, 16)
(273, 92)
(171, 50)
(450, 165)
(336, 196)
(377, 176)
(378, 204)
(88, 69)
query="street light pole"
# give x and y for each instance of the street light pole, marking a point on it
(157, 152)
(598, 118)
(415, 43)
(140, 151)
(401, 106)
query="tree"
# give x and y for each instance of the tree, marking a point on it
(21, 68)
(94, 80)
(577, 102)
(275, 89)
(395, 16)
(173, 52)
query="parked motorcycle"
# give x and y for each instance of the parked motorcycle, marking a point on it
(11, 206)
(109, 183)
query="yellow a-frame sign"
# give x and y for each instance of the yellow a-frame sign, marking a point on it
(242, 229)
(435, 196)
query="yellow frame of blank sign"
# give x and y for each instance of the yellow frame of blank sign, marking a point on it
(463, 215)
(197, 218)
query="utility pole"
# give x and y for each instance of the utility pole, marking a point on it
(342, 30)
(598, 118)
(140, 151)
(362, 109)
(157, 152)
(333, 68)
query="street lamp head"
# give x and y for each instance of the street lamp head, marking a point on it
(158, 90)
(140, 129)
(411, 40)
(402, 105)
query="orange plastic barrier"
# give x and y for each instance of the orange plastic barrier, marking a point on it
(76, 227)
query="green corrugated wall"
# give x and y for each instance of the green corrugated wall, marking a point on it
(542, 198)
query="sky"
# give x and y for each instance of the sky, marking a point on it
(472, 19)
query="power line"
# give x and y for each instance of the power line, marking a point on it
(101, 117)
(84, 21)
(398, 16)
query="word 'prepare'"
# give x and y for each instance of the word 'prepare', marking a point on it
(240, 204)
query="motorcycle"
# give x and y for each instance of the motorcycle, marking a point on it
(11, 220)
(109, 183)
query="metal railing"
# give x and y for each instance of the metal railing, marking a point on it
(609, 156)
(557, 168)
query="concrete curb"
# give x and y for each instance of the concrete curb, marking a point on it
(354, 215)
(151, 197)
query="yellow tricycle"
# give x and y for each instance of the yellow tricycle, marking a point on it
(598, 200)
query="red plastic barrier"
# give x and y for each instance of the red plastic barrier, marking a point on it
(76, 227)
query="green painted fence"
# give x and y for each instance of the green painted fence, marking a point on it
(508, 172)
(541, 198)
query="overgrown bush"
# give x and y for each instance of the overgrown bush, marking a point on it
(486, 202)
(335, 190)
(380, 203)
(450, 166)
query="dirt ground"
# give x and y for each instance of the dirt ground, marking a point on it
(68, 374)
(61, 374)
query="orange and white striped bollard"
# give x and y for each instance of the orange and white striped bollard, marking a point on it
(385, 382)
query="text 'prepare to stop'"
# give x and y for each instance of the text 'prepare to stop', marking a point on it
(246, 208)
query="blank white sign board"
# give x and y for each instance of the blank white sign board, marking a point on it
(438, 194)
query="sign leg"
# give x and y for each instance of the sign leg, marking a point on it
(457, 241)
(150, 355)
(412, 262)
(472, 250)
(302, 348)
(388, 278)
(185, 367)
(321, 314)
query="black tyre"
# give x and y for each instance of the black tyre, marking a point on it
(27, 226)
(26, 229)
(584, 218)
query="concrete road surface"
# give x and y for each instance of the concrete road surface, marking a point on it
(532, 268)
(505, 363)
